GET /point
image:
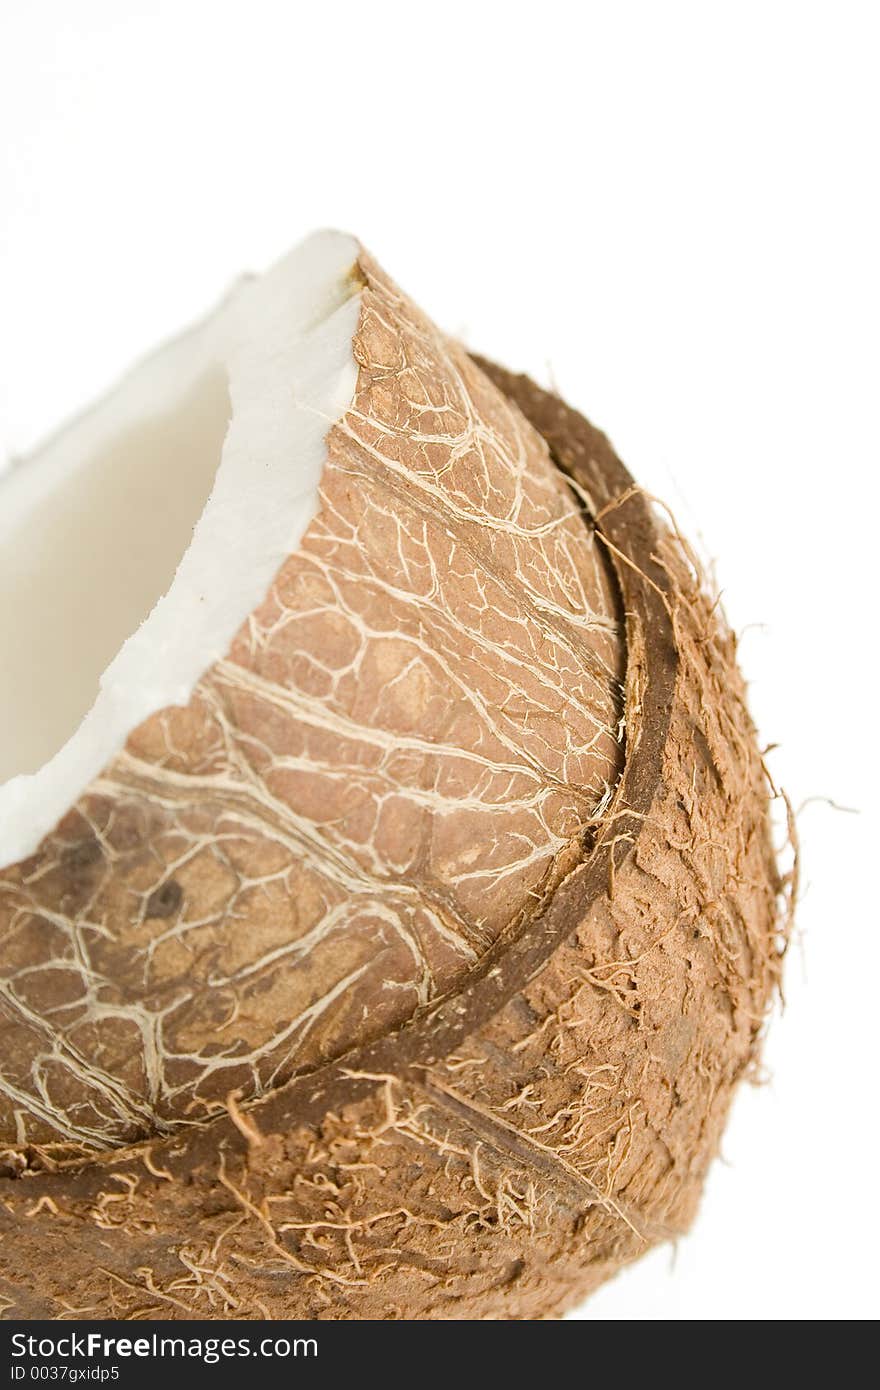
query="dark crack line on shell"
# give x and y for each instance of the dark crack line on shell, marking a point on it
(506, 1138)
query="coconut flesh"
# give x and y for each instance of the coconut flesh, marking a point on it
(138, 541)
(381, 826)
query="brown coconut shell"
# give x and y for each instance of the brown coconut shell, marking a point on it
(394, 763)
(542, 1123)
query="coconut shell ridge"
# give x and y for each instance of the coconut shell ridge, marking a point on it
(522, 1138)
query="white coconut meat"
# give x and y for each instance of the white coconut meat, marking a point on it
(134, 545)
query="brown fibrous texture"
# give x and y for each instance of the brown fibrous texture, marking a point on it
(388, 978)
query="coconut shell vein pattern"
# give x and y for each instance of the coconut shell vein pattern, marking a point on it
(395, 764)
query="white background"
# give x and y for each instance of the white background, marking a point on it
(670, 211)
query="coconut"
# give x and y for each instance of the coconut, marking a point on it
(388, 905)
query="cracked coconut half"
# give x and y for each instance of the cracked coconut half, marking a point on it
(387, 902)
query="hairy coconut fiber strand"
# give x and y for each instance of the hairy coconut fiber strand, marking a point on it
(578, 968)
